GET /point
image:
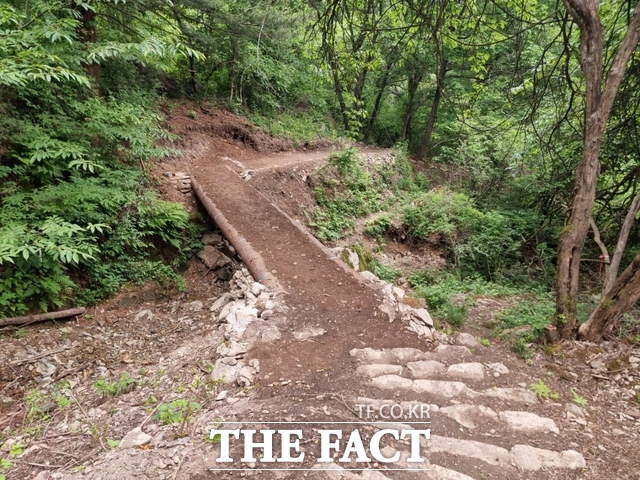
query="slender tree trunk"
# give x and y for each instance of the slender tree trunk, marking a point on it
(426, 138)
(376, 105)
(612, 271)
(413, 82)
(598, 104)
(89, 35)
(623, 295)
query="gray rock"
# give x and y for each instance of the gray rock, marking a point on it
(425, 368)
(232, 349)
(378, 369)
(224, 273)
(420, 329)
(213, 258)
(135, 438)
(246, 376)
(422, 315)
(467, 371)
(484, 452)
(528, 422)
(442, 388)
(467, 340)
(371, 277)
(531, 458)
(498, 368)
(392, 382)
(518, 395)
(469, 415)
(226, 370)
(222, 395)
(597, 365)
(219, 303)
(212, 239)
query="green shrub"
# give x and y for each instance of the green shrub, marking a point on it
(378, 227)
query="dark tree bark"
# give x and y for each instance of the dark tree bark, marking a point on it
(598, 104)
(376, 105)
(623, 237)
(623, 295)
(428, 130)
(88, 35)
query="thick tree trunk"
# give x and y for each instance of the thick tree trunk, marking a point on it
(624, 294)
(413, 82)
(598, 104)
(612, 271)
(337, 85)
(574, 234)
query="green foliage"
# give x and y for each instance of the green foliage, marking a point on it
(524, 322)
(542, 390)
(177, 412)
(378, 226)
(454, 315)
(385, 272)
(113, 443)
(579, 399)
(123, 385)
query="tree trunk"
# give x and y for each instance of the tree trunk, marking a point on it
(337, 85)
(624, 294)
(376, 105)
(574, 234)
(88, 35)
(426, 139)
(612, 271)
(598, 104)
(413, 82)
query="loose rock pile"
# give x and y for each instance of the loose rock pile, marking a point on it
(181, 180)
(248, 303)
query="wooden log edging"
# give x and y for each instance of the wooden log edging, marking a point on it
(249, 256)
(41, 317)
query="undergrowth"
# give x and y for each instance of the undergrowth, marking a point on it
(79, 216)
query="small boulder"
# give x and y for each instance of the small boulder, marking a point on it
(213, 258)
(135, 438)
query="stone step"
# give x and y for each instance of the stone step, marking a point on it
(523, 457)
(472, 416)
(442, 353)
(428, 369)
(450, 390)
(400, 469)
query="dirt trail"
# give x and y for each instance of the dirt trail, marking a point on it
(320, 292)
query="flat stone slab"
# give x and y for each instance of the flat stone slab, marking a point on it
(486, 452)
(532, 458)
(528, 422)
(469, 416)
(518, 395)
(379, 369)
(426, 368)
(388, 355)
(467, 371)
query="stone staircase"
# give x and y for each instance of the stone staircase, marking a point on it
(487, 432)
